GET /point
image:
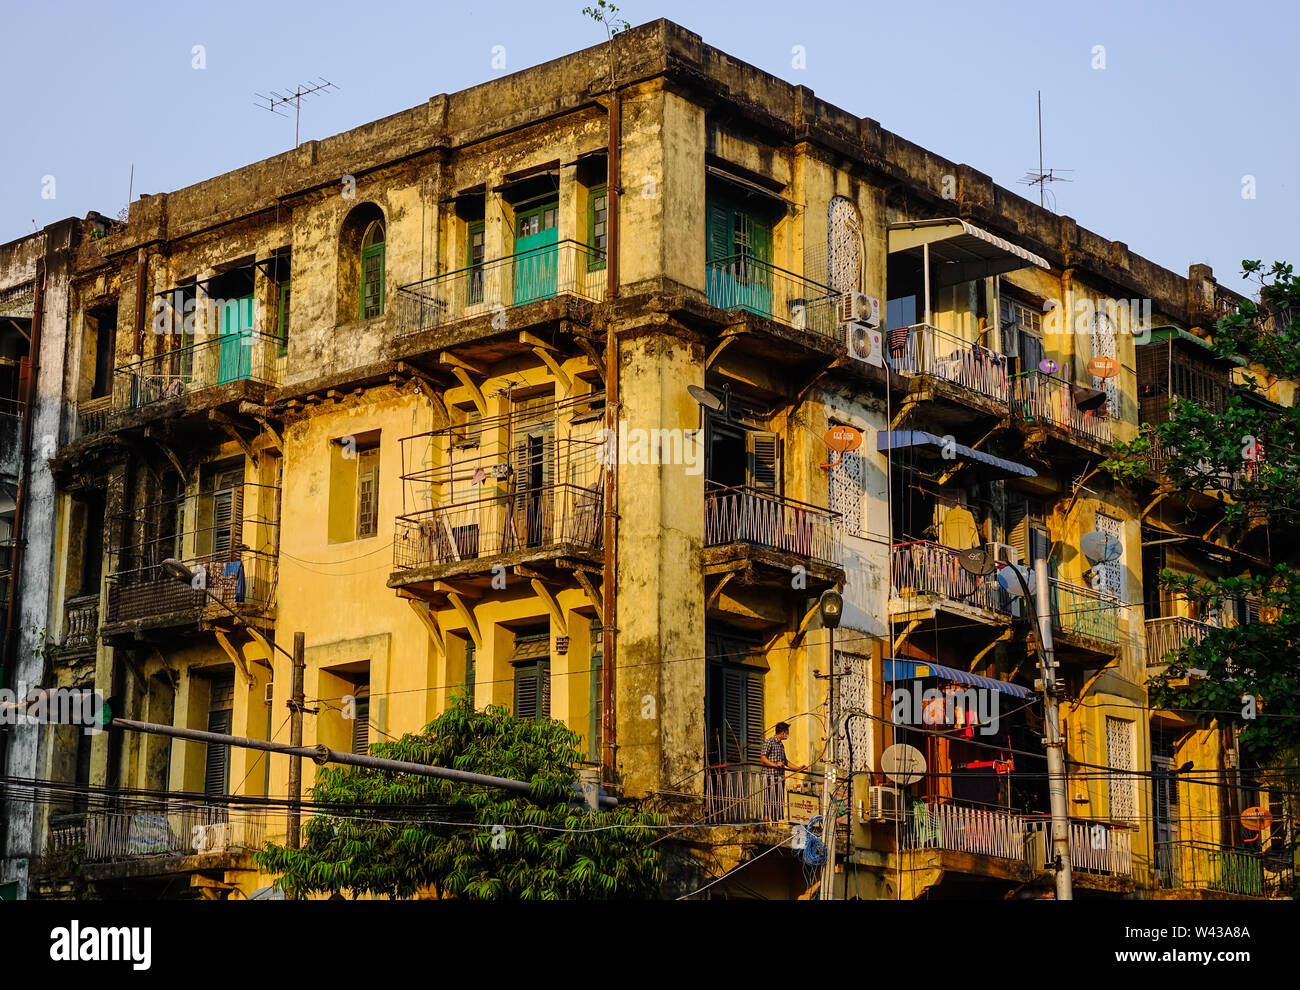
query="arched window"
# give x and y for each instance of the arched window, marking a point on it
(372, 271)
(844, 247)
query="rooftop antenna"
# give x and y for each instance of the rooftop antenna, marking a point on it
(295, 96)
(1043, 176)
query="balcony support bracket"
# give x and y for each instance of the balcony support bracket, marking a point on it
(475, 392)
(804, 623)
(430, 623)
(716, 353)
(1160, 497)
(554, 365)
(228, 425)
(231, 651)
(168, 452)
(552, 606)
(716, 593)
(1001, 637)
(902, 637)
(584, 579)
(597, 361)
(467, 615)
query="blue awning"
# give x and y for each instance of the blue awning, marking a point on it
(909, 670)
(898, 439)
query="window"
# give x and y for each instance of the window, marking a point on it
(532, 663)
(597, 227)
(845, 491)
(372, 271)
(595, 723)
(1111, 572)
(471, 658)
(1119, 757)
(103, 327)
(1022, 333)
(361, 724)
(221, 703)
(733, 698)
(354, 487)
(282, 320)
(474, 243)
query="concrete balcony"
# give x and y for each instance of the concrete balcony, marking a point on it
(1047, 409)
(81, 625)
(1169, 634)
(762, 535)
(928, 583)
(1085, 624)
(1197, 870)
(1101, 852)
(954, 376)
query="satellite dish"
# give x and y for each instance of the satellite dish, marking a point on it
(1048, 367)
(843, 438)
(1103, 367)
(902, 764)
(979, 561)
(704, 397)
(1010, 585)
(1253, 819)
(1099, 547)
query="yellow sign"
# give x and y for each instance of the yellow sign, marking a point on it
(803, 807)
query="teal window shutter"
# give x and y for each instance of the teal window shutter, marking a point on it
(474, 246)
(595, 723)
(372, 272)
(470, 673)
(282, 323)
(597, 227)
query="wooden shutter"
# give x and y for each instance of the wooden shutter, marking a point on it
(283, 321)
(216, 778)
(367, 492)
(532, 674)
(763, 451)
(1017, 527)
(720, 244)
(470, 673)
(596, 701)
(757, 237)
(755, 725)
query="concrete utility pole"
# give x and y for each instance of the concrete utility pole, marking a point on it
(832, 606)
(296, 705)
(1053, 743)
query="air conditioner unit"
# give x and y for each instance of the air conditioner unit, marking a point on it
(858, 307)
(886, 804)
(499, 471)
(1005, 552)
(865, 344)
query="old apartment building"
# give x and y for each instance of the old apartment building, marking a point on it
(364, 391)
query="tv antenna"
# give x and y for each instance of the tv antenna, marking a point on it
(1044, 175)
(275, 101)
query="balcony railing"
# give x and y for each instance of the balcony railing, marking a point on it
(743, 794)
(243, 580)
(173, 828)
(11, 432)
(1187, 865)
(930, 569)
(743, 515)
(1080, 611)
(536, 518)
(1169, 634)
(93, 415)
(743, 282)
(927, 351)
(966, 829)
(566, 268)
(1102, 848)
(194, 367)
(1048, 399)
(67, 832)
(81, 623)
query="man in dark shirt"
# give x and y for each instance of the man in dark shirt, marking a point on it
(775, 764)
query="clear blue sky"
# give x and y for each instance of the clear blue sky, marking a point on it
(1193, 97)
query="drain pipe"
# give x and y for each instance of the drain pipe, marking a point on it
(609, 582)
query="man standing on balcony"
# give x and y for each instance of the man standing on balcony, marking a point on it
(775, 764)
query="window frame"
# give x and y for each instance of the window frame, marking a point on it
(371, 252)
(597, 258)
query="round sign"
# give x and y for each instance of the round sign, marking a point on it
(902, 764)
(843, 438)
(1256, 819)
(1048, 367)
(1103, 367)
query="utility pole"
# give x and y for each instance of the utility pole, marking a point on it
(1053, 743)
(831, 606)
(296, 705)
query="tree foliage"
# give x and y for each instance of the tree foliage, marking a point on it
(400, 834)
(1247, 454)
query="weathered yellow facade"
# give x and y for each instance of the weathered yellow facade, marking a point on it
(420, 489)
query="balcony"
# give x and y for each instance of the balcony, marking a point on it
(742, 794)
(223, 365)
(946, 367)
(926, 579)
(742, 282)
(1170, 634)
(1085, 623)
(81, 625)
(959, 828)
(92, 416)
(230, 541)
(173, 828)
(564, 269)
(1049, 408)
(765, 534)
(1098, 849)
(1201, 866)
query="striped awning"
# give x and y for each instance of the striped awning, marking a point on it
(960, 251)
(911, 670)
(898, 439)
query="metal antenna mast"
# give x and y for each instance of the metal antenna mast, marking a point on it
(1043, 176)
(277, 100)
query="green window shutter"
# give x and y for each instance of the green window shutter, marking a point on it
(763, 452)
(597, 227)
(758, 237)
(216, 775)
(755, 724)
(720, 240)
(372, 282)
(361, 727)
(470, 673)
(474, 247)
(597, 699)
(282, 324)
(532, 661)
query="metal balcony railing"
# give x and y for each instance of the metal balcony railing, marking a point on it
(926, 569)
(243, 580)
(1168, 635)
(1103, 848)
(936, 824)
(743, 515)
(81, 623)
(1038, 397)
(534, 518)
(1081, 611)
(1189, 865)
(743, 794)
(926, 351)
(565, 268)
(173, 828)
(742, 282)
(194, 367)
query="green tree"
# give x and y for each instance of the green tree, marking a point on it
(398, 834)
(1249, 455)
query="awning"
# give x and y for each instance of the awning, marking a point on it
(1160, 335)
(899, 439)
(747, 185)
(910, 670)
(959, 251)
